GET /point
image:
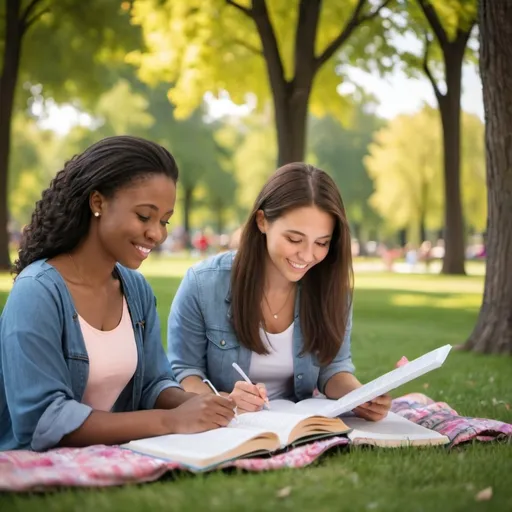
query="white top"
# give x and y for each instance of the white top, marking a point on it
(275, 369)
(112, 361)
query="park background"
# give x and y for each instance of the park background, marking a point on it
(384, 95)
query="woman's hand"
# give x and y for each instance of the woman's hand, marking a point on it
(198, 414)
(376, 409)
(249, 397)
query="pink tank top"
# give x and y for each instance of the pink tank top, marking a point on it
(112, 361)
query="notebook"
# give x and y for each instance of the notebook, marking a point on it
(392, 431)
(253, 433)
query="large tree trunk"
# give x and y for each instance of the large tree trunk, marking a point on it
(291, 110)
(454, 258)
(493, 331)
(8, 79)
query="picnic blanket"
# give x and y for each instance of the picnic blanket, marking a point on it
(101, 466)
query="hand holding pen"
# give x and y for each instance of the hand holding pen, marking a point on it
(249, 397)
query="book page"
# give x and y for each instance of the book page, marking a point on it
(197, 450)
(308, 406)
(387, 382)
(280, 423)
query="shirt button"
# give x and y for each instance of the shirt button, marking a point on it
(222, 343)
(299, 376)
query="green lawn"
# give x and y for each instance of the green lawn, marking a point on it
(394, 315)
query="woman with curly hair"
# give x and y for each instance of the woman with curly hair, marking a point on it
(81, 360)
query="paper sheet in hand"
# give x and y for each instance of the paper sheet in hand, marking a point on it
(388, 381)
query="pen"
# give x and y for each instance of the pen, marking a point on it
(206, 381)
(244, 376)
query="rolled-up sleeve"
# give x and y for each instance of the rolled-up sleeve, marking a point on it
(186, 335)
(158, 374)
(342, 362)
(36, 377)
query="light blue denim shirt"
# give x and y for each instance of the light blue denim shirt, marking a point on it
(43, 359)
(201, 340)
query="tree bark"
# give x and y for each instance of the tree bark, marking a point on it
(493, 330)
(11, 60)
(187, 208)
(449, 106)
(291, 110)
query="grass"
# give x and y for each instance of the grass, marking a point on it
(394, 315)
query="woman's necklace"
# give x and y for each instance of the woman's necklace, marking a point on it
(76, 269)
(276, 314)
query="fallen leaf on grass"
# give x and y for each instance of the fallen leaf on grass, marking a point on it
(284, 492)
(484, 494)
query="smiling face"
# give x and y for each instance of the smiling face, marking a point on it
(134, 220)
(296, 241)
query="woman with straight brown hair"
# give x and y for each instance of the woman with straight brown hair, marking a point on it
(280, 307)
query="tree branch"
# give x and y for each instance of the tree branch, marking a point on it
(342, 36)
(34, 18)
(248, 46)
(437, 92)
(374, 14)
(28, 11)
(269, 44)
(434, 21)
(355, 21)
(247, 12)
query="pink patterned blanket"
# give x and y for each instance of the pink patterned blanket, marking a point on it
(100, 466)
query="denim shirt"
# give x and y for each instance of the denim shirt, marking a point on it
(201, 340)
(43, 359)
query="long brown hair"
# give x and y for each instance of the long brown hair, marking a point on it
(326, 289)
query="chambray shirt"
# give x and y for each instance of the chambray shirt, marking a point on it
(43, 359)
(201, 340)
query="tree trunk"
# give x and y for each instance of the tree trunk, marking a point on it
(493, 331)
(187, 208)
(402, 237)
(291, 108)
(422, 231)
(454, 258)
(8, 79)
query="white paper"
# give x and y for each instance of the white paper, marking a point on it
(383, 384)
(387, 382)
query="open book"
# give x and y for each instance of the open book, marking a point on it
(289, 423)
(249, 434)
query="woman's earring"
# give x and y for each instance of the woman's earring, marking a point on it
(96, 214)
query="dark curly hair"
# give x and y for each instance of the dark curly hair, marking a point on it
(62, 216)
